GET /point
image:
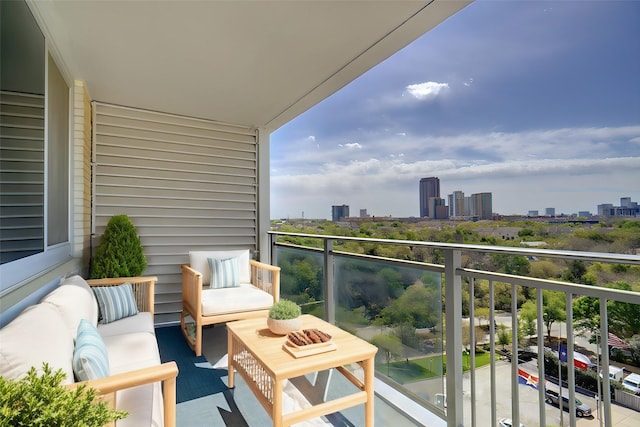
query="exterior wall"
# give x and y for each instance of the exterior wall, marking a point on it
(187, 184)
(81, 173)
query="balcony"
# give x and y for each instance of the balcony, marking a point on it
(473, 387)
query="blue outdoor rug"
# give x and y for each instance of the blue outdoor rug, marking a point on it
(193, 382)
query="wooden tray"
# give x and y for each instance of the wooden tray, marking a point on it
(309, 349)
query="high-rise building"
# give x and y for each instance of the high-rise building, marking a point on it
(549, 211)
(482, 205)
(457, 204)
(339, 211)
(429, 187)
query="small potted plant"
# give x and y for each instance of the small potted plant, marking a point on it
(120, 253)
(284, 317)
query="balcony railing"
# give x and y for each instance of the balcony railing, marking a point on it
(336, 280)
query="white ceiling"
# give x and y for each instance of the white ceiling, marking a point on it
(255, 63)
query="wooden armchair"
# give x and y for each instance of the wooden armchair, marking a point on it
(259, 288)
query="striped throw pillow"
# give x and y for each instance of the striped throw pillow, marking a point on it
(224, 273)
(115, 302)
(90, 358)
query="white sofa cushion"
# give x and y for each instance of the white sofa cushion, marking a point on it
(75, 300)
(39, 334)
(230, 300)
(144, 405)
(141, 322)
(198, 260)
(131, 351)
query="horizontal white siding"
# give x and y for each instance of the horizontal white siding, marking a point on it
(187, 184)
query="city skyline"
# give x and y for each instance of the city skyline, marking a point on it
(536, 102)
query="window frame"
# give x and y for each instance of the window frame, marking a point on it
(20, 272)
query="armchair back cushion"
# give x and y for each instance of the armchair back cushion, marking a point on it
(199, 261)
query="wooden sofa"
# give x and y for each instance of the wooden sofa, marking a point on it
(137, 381)
(259, 288)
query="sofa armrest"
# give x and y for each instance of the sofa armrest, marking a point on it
(143, 288)
(266, 277)
(166, 373)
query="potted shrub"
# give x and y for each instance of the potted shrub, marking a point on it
(119, 253)
(284, 317)
(43, 401)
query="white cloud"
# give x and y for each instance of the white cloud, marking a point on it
(351, 146)
(426, 91)
(568, 168)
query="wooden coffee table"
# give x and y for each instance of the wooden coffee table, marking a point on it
(258, 356)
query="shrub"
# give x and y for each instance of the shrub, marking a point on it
(284, 309)
(43, 401)
(119, 253)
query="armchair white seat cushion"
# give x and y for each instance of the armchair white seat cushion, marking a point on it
(231, 300)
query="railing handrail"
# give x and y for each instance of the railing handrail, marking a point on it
(610, 294)
(549, 253)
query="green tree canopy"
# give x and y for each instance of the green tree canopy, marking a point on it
(554, 308)
(418, 305)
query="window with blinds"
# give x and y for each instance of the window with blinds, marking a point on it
(22, 139)
(34, 150)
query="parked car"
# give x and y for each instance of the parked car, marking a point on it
(632, 383)
(506, 422)
(582, 409)
(615, 373)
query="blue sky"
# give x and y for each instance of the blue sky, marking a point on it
(537, 102)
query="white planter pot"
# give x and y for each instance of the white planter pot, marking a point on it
(283, 327)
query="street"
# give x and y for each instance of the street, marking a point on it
(529, 413)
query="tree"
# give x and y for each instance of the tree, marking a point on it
(466, 336)
(511, 264)
(504, 338)
(528, 316)
(482, 313)
(418, 305)
(554, 305)
(575, 271)
(624, 318)
(119, 253)
(586, 312)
